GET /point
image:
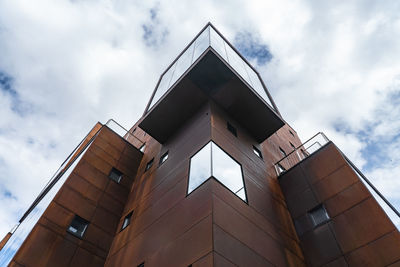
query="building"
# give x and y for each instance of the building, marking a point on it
(211, 175)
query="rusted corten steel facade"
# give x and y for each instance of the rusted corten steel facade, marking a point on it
(155, 217)
(359, 233)
(90, 194)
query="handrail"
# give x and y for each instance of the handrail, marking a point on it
(326, 140)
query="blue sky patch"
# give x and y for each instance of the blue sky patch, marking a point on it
(7, 86)
(252, 48)
(154, 34)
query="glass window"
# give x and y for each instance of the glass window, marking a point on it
(163, 158)
(149, 164)
(291, 133)
(141, 265)
(142, 147)
(294, 148)
(212, 161)
(78, 226)
(257, 152)
(319, 215)
(231, 129)
(127, 220)
(115, 175)
(280, 169)
(282, 152)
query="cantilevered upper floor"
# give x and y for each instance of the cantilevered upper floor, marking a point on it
(210, 68)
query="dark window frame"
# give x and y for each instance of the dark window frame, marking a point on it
(164, 157)
(283, 152)
(257, 152)
(293, 146)
(118, 173)
(149, 165)
(231, 128)
(128, 218)
(79, 220)
(314, 221)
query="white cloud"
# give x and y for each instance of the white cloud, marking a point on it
(78, 62)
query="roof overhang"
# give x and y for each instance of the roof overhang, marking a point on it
(210, 78)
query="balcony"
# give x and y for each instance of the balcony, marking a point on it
(210, 68)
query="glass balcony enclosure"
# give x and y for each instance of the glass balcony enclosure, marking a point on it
(212, 161)
(209, 37)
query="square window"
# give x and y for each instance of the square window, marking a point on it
(282, 152)
(115, 175)
(141, 149)
(149, 164)
(163, 158)
(231, 129)
(319, 215)
(257, 152)
(78, 226)
(127, 220)
(212, 161)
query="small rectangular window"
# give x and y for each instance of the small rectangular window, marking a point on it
(115, 175)
(280, 168)
(282, 152)
(142, 147)
(127, 220)
(294, 148)
(291, 133)
(231, 129)
(319, 215)
(134, 129)
(257, 152)
(78, 226)
(163, 158)
(141, 265)
(149, 164)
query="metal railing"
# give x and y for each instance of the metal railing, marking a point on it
(210, 37)
(317, 142)
(124, 133)
(28, 220)
(303, 151)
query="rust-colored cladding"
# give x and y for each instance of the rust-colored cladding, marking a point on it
(358, 233)
(149, 218)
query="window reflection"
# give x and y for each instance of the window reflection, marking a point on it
(211, 160)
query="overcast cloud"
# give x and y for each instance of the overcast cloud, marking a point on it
(331, 66)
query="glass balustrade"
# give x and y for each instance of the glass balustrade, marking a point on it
(209, 37)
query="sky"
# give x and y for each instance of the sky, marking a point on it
(331, 66)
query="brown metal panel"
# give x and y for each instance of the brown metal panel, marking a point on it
(94, 176)
(335, 182)
(340, 262)
(328, 160)
(72, 200)
(361, 224)
(190, 246)
(245, 231)
(205, 261)
(346, 198)
(84, 258)
(220, 261)
(381, 252)
(320, 246)
(235, 251)
(167, 228)
(302, 202)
